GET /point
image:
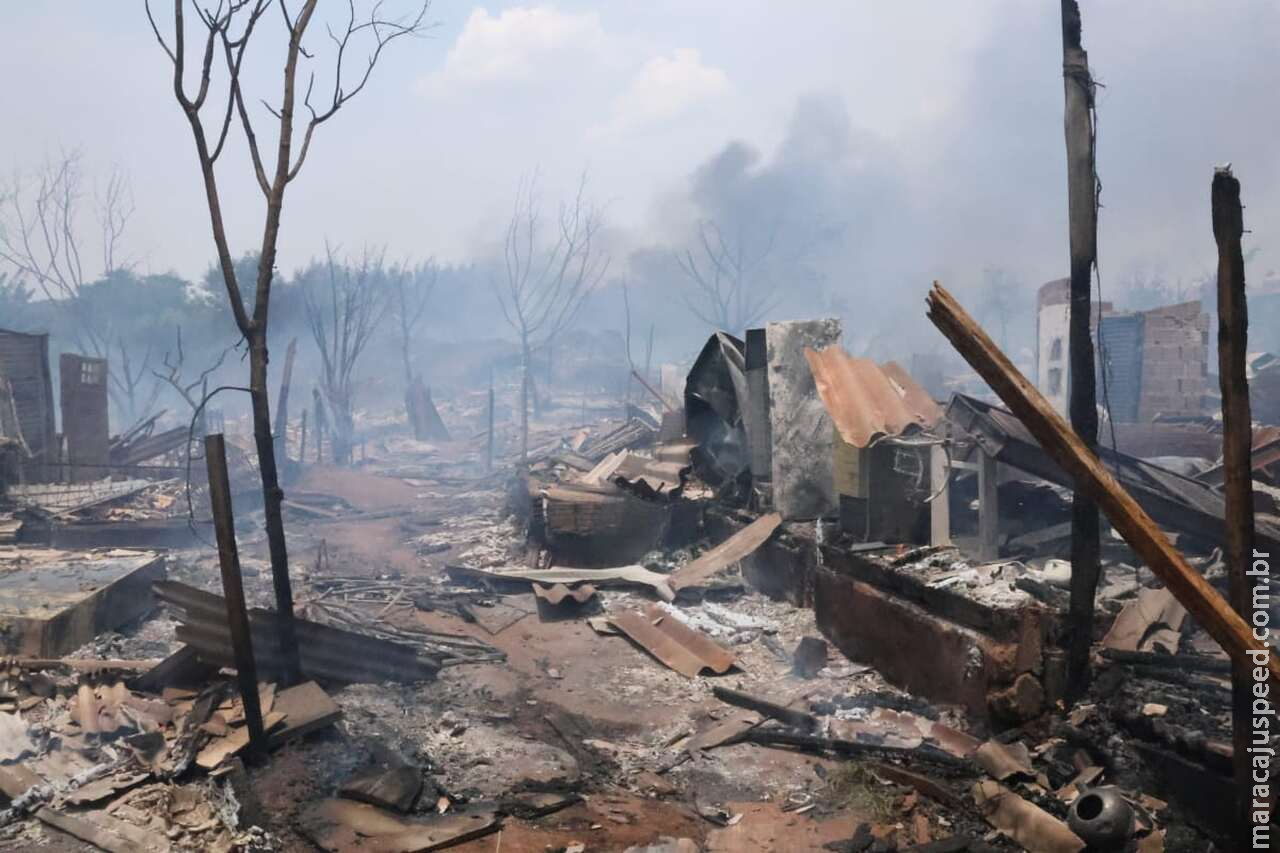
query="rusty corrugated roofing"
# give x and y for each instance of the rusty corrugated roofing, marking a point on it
(867, 400)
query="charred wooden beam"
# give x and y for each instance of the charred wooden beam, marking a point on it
(215, 452)
(1082, 208)
(1237, 441)
(790, 716)
(1057, 439)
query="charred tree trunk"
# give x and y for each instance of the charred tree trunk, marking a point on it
(526, 379)
(272, 499)
(1083, 225)
(344, 428)
(1237, 440)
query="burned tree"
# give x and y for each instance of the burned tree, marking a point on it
(547, 280)
(723, 273)
(411, 292)
(344, 307)
(192, 391)
(225, 34)
(43, 238)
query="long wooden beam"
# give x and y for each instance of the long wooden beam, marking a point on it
(1202, 601)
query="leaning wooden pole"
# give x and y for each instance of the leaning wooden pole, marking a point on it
(302, 445)
(215, 454)
(1237, 440)
(282, 401)
(1082, 211)
(1061, 443)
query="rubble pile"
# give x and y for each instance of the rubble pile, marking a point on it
(796, 603)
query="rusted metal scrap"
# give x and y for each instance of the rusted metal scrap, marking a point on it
(1024, 822)
(738, 546)
(674, 643)
(866, 400)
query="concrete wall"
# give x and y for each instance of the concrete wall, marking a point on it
(1053, 319)
(939, 644)
(83, 386)
(800, 429)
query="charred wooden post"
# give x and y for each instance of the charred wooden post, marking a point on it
(1237, 440)
(1083, 224)
(1066, 448)
(282, 402)
(302, 447)
(215, 454)
(318, 405)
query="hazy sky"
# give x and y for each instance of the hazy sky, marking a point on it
(955, 109)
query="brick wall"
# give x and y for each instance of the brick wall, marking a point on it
(1175, 361)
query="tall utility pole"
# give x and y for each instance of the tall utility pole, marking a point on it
(1082, 207)
(1237, 441)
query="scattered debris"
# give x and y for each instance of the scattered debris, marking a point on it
(341, 825)
(809, 657)
(1024, 822)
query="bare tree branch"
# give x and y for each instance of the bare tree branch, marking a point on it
(724, 275)
(175, 363)
(547, 277)
(343, 318)
(42, 237)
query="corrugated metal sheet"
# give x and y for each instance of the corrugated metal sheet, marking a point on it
(327, 653)
(684, 649)
(24, 361)
(1120, 336)
(556, 593)
(10, 426)
(867, 400)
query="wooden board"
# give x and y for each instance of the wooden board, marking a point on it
(306, 708)
(96, 828)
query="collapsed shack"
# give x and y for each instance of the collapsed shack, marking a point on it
(943, 569)
(84, 487)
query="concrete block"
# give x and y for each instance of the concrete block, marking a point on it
(800, 428)
(52, 602)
